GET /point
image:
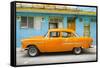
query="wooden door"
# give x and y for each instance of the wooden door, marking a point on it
(71, 23)
(86, 30)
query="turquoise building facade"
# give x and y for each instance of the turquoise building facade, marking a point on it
(84, 25)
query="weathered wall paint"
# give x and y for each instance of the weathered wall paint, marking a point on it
(29, 32)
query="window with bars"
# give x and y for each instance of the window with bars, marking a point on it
(27, 22)
(80, 19)
(93, 19)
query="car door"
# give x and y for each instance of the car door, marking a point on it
(52, 44)
(67, 41)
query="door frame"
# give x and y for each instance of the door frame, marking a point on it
(72, 22)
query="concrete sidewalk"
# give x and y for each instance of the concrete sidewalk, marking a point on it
(88, 55)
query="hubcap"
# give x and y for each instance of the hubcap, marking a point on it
(32, 51)
(77, 50)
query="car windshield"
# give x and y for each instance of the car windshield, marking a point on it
(76, 35)
(45, 34)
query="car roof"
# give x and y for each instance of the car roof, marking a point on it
(67, 30)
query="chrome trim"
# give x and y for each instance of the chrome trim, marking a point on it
(39, 42)
(75, 43)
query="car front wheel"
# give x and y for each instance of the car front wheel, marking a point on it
(77, 50)
(32, 51)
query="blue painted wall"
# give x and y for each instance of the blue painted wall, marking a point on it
(65, 21)
(29, 32)
(93, 31)
(79, 27)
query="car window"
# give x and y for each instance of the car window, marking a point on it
(54, 34)
(67, 34)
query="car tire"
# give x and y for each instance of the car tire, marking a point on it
(77, 50)
(32, 51)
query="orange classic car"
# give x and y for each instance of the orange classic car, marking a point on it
(56, 40)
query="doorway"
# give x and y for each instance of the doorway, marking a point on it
(53, 25)
(71, 23)
(55, 22)
(87, 30)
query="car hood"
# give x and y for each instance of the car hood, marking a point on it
(37, 37)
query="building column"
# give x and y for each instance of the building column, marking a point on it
(79, 27)
(93, 32)
(65, 22)
(45, 25)
(87, 21)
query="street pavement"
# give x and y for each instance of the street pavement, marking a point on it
(87, 55)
